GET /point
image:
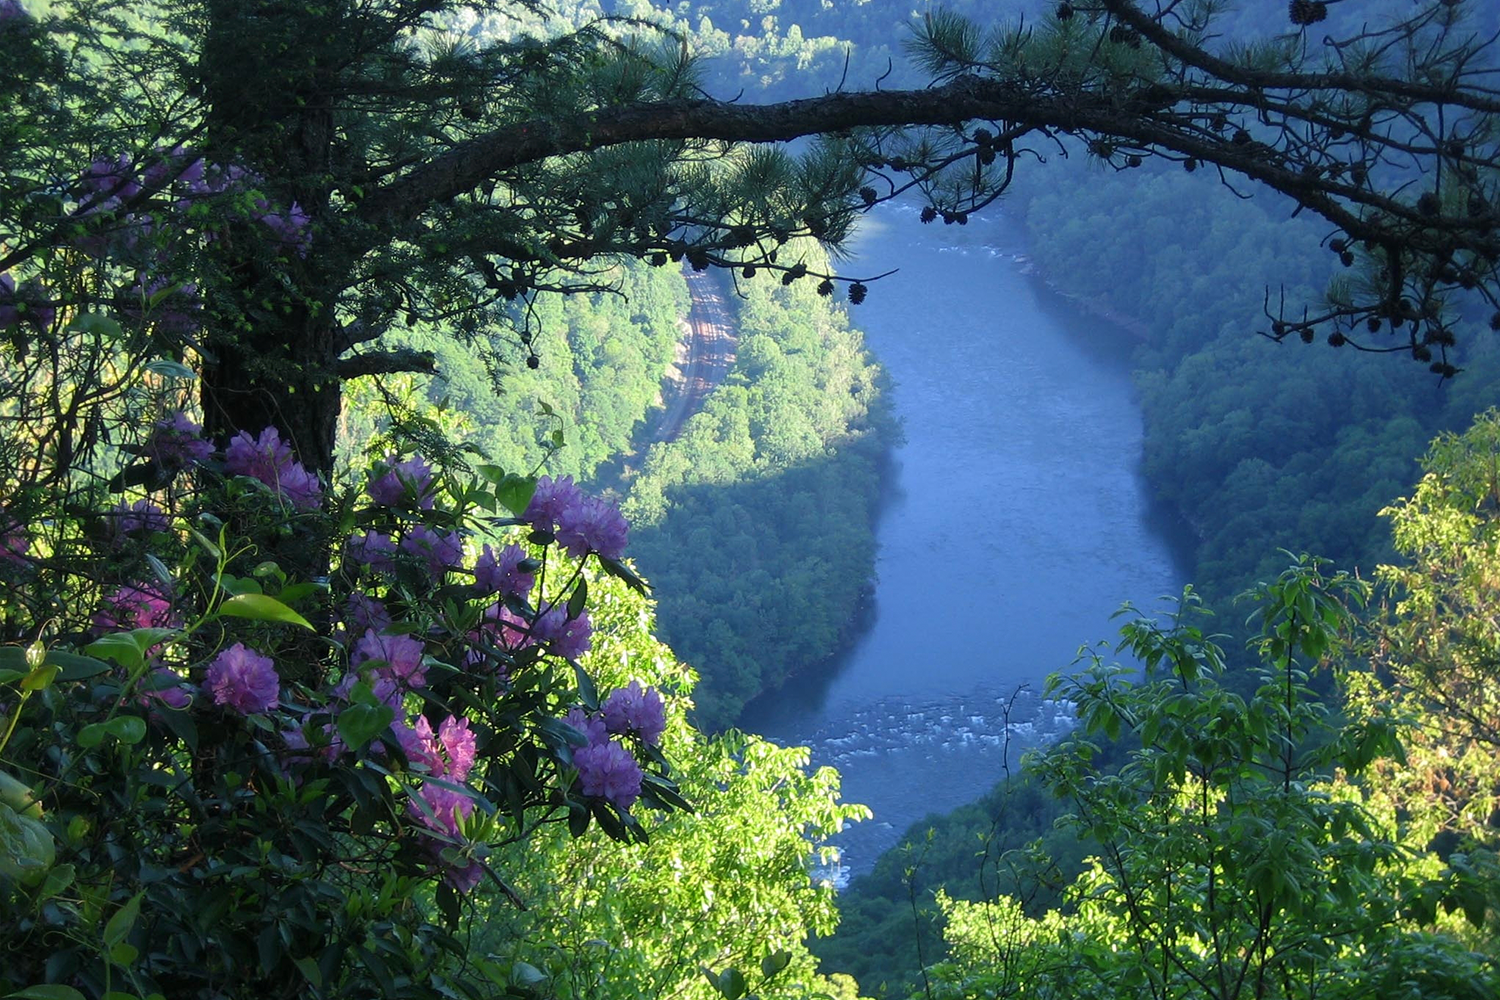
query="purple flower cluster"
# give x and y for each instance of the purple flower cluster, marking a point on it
(550, 499)
(108, 184)
(177, 442)
(30, 303)
(11, 10)
(636, 710)
(500, 627)
(397, 657)
(140, 518)
(269, 459)
(402, 483)
(131, 607)
(440, 551)
(165, 687)
(581, 523)
(608, 770)
(563, 636)
(605, 767)
(592, 525)
(243, 680)
(502, 575)
(373, 549)
(13, 542)
(363, 613)
(292, 227)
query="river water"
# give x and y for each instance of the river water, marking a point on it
(1018, 523)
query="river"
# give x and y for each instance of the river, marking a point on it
(1018, 522)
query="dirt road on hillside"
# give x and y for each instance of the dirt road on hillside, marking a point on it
(705, 354)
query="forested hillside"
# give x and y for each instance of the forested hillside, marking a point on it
(757, 522)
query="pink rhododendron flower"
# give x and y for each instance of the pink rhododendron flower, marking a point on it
(133, 607)
(459, 746)
(243, 680)
(592, 524)
(552, 497)
(633, 710)
(608, 770)
(563, 636)
(449, 753)
(502, 574)
(420, 746)
(501, 628)
(449, 809)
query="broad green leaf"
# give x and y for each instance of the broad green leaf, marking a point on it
(170, 368)
(27, 850)
(526, 974)
(127, 728)
(41, 678)
(515, 492)
(774, 963)
(359, 724)
(48, 991)
(119, 926)
(96, 324)
(310, 971)
(260, 607)
(76, 667)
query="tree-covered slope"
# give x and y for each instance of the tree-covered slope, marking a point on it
(757, 522)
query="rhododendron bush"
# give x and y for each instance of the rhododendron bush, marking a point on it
(221, 780)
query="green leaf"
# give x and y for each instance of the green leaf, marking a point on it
(123, 954)
(170, 368)
(75, 667)
(128, 649)
(310, 971)
(359, 724)
(92, 735)
(56, 881)
(127, 728)
(27, 850)
(525, 974)
(579, 598)
(94, 323)
(298, 591)
(41, 678)
(620, 571)
(262, 608)
(774, 963)
(47, 992)
(587, 692)
(515, 492)
(120, 925)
